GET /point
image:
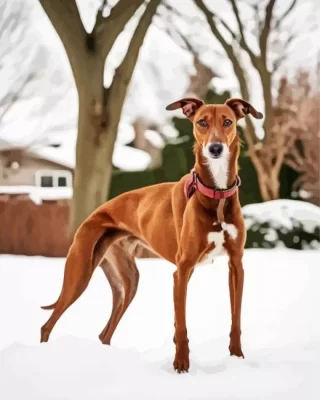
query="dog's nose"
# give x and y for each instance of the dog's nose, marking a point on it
(215, 149)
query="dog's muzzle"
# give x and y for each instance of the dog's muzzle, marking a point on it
(215, 150)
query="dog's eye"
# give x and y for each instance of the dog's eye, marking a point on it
(227, 122)
(203, 123)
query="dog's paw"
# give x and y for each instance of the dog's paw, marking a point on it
(181, 365)
(236, 351)
(181, 362)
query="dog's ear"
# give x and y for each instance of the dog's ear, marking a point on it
(189, 106)
(242, 108)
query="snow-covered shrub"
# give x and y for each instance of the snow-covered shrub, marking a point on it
(282, 223)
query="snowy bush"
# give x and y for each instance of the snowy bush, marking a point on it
(282, 223)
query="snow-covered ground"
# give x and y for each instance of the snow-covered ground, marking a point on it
(281, 333)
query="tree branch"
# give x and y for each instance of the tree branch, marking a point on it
(104, 4)
(285, 14)
(243, 41)
(125, 70)
(12, 97)
(263, 39)
(65, 17)
(108, 29)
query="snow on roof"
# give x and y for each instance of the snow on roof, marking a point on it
(124, 157)
(64, 155)
(283, 213)
(37, 194)
(5, 144)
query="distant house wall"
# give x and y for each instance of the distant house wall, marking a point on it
(28, 165)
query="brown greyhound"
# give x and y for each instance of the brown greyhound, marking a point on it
(186, 222)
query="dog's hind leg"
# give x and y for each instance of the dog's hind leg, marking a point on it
(76, 280)
(90, 242)
(122, 273)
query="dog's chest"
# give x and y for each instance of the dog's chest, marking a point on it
(216, 242)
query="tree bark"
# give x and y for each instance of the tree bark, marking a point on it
(90, 179)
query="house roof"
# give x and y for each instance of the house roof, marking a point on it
(124, 157)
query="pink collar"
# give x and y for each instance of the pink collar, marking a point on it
(193, 183)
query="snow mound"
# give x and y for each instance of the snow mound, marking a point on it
(283, 213)
(280, 333)
(289, 223)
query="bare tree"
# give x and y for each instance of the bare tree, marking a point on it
(203, 75)
(266, 158)
(297, 123)
(99, 107)
(14, 22)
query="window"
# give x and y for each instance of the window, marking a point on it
(46, 181)
(62, 181)
(53, 178)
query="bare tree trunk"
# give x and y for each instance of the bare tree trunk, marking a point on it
(94, 143)
(99, 108)
(269, 187)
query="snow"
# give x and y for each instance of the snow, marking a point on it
(283, 213)
(170, 131)
(154, 138)
(280, 333)
(64, 155)
(124, 157)
(38, 194)
(130, 159)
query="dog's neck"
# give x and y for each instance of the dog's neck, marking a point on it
(221, 172)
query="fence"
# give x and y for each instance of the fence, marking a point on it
(31, 229)
(36, 230)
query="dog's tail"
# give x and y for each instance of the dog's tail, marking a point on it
(50, 307)
(80, 259)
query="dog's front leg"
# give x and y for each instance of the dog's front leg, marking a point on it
(236, 278)
(181, 279)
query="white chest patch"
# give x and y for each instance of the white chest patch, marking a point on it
(230, 229)
(218, 239)
(218, 167)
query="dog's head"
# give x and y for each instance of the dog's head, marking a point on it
(214, 125)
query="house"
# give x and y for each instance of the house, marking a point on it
(35, 193)
(20, 167)
(33, 167)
